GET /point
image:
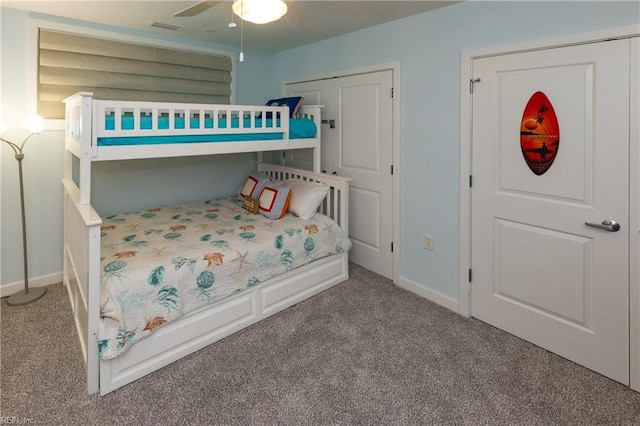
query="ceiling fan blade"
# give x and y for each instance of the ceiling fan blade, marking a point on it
(197, 8)
(296, 14)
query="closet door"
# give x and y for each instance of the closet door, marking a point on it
(357, 142)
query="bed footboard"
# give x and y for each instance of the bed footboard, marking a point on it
(81, 274)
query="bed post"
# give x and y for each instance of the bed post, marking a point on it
(81, 248)
(78, 140)
(87, 123)
(81, 275)
(316, 160)
(316, 115)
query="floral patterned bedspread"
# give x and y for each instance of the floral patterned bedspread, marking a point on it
(160, 264)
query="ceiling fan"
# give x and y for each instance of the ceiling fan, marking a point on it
(246, 9)
(197, 8)
(256, 11)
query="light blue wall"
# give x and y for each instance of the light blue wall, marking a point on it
(428, 48)
(117, 186)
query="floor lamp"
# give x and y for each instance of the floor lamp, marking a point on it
(34, 124)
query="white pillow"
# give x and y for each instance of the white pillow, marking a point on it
(306, 197)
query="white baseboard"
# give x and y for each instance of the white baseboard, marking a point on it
(431, 295)
(9, 289)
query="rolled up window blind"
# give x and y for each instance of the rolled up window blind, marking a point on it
(70, 63)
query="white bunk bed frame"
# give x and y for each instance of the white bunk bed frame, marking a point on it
(81, 267)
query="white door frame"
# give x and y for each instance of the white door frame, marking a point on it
(395, 68)
(464, 244)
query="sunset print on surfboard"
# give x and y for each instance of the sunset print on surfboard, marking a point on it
(539, 133)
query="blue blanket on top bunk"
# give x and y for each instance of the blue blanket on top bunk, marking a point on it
(299, 128)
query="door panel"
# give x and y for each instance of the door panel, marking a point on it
(365, 230)
(564, 294)
(572, 179)
(360, 104)
(360, 146)
(538, 271)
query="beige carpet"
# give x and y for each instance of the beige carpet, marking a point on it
(364, 352)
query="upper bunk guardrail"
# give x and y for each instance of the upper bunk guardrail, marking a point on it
(125, 118)
(84, 126)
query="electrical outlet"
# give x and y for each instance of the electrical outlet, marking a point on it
(429, 242)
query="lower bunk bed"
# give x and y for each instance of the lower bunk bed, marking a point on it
(197, 278)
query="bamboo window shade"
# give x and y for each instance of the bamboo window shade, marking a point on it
(70, 63)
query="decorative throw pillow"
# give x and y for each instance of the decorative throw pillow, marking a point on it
(293, 103)
(252, 185)
(274, 200)
(306, 197)
(251, 204)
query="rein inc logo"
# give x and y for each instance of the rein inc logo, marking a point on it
(15, 420)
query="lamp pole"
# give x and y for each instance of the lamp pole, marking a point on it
(27, 295)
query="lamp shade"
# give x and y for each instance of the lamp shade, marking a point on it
(260, 11)
(33, 123)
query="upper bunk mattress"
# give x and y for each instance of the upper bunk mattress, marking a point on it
(299, 128)
(159, 264)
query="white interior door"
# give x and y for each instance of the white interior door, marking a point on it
(539, 271)
(357, 142)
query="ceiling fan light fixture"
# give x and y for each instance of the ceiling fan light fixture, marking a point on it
(260, 11)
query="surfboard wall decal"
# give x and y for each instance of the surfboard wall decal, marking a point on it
(539, 133)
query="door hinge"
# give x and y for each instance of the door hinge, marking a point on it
(392, 169)
(391, 246)
(331, 123)
(392, 92)
(469, 274)
(470, 181)
(471, 82)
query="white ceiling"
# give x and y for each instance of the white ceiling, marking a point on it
(306, 22)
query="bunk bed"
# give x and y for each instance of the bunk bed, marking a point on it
(95, 253)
